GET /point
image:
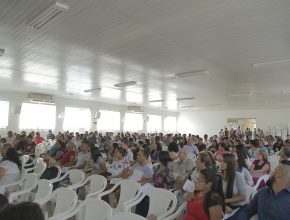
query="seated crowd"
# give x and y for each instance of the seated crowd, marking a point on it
(220, 167)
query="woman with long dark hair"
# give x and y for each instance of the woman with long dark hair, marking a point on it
(97, 162)
(242, 166)
(206, 203)
(234, 183)
(10, 168)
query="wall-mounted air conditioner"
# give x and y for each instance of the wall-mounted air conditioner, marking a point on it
(135, 109)
(41, 98)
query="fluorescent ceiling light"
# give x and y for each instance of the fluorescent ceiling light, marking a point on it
(240, 95)
(93, 90)
(2, 52)
(187, 106)
(193, 73)
(152, 101)
(130, 83)
(185, 99)
(270, 62)
(50, 13)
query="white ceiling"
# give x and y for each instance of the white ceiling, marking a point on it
(98, 43)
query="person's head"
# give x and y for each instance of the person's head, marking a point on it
(125, 143)
(23, 211)
(29, 138)
(205, 137)
(4, 149)
(284, 153)
(203, 161)
(263, 154)
(255, 143)
(240, 158)
(222, 147)
(96, 153)
(206, 180)
(70, 146)
(142, 156)
(10, 134)
(12, 156)
(280, 177)
(214, 143)
(59, 144)
(164, 158)
(85, 146)
(120, 153)
(158, 147)
(37, 134)
(3, 201)
(229, 169)
(182, 154)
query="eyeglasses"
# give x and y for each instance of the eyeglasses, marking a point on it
(199, 180)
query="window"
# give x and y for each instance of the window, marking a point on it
(170, 124)
(77, 119)
(133, 122)
(153, 123)
(108, 121)
(37, 116)
(4, 112)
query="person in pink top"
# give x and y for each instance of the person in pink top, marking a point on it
(38, 139)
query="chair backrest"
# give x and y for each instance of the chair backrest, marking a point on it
(66, 200)
(129, 190)
(155, 164)
(274, 162)
(30, 182)
(94, 207)
(24, 159)
(76, 176)
(39, 168)
(44, 190)
(127, 216)
(97, 183)
(161, 201)
(264, 177)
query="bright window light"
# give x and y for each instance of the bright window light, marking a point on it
(37, 116)
(4, 111)
(108, 121)
(170, 124)
(77, 119)
(133, 122)
(154, 123)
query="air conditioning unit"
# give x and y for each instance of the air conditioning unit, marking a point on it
(135, 109)
(41, 98)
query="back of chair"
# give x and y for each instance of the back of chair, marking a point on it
(44, 190)
(261, 178)
(66, 200)
(97, 183)
(95, 207)
(76, 176)
(39, 168)
(129, 190)
(30, 182)
(160, 201)
(24, 159)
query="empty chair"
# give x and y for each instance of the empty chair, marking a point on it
(162, 202)
(43, 193)
(91, 209)
(94, 183)
(129, 191)
(127, 216)
(28, 184)
(65, 202)
(261, 178)
(11, 187)
(76, 177)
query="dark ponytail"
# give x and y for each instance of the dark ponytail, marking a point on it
(12, 155)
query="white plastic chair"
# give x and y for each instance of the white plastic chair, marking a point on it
(76, 177)
(11, 187)
(43, 193)
(129, 191)
(250, 193)
(29, 183)
(127, 216)
(39, 167)
(155, 165)
(274, 162)
(54, 180)
(24, 159)
(91, 209)
(264, 177)
(162, 202)
(65, 202)
(97, 184)
(177, 213)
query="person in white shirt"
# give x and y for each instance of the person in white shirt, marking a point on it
(10, 168)
(119, 163)
(84, 156)
(190, 147)
(10, 137)
(77, 141)
(129, 156)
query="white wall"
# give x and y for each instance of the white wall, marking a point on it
(212, 121)
(16, 99)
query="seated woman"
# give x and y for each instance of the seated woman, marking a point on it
(163, 177)
(59, 150)
(242, 167)
(29, 147)
(69, 156)
(97, 162)
(222, 149)
(155, 152)
(206, 202)
(10, 168)
(261, 166)
(119, 163)
(234, 183)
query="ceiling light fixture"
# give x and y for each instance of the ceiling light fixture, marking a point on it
(256, 65)
(185, 99)
(93, 90)
(46, 16)
(187, 106)
(241, 95)
(193, 73)
(130, 83)
(152, 101)
(2, 52)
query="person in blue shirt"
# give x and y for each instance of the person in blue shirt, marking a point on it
(272, 202)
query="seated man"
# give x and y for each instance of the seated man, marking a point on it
(141, 165)
(184, 166)
(271, 202)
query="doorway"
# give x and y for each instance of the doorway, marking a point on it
(244, 123)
